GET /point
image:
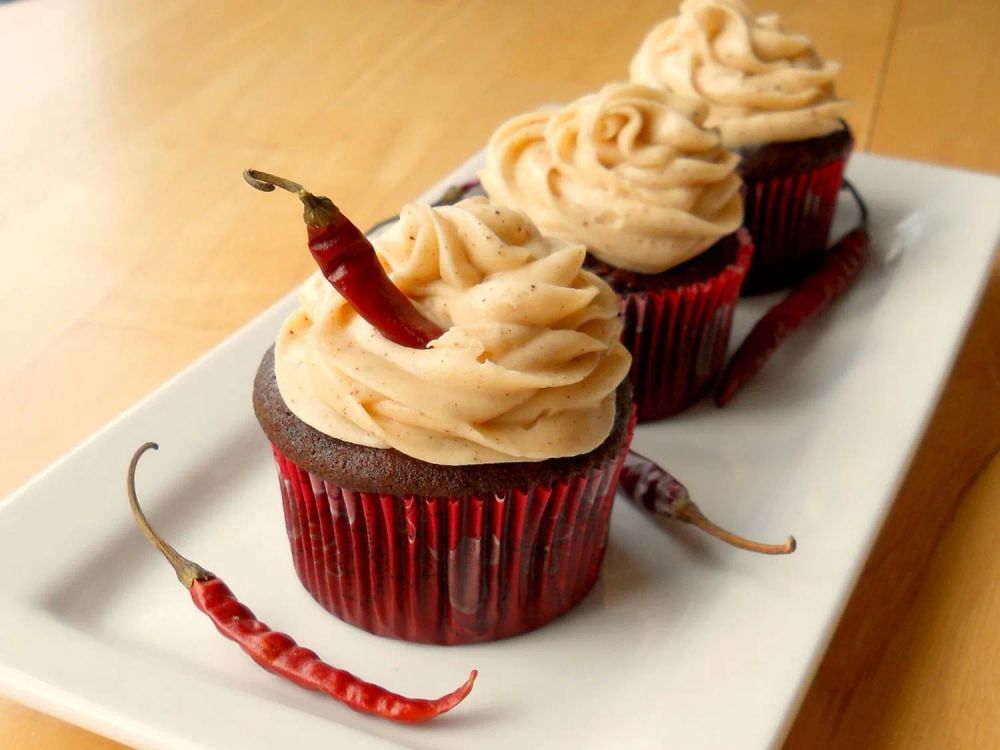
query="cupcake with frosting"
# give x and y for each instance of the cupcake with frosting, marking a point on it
(632, 173)
(459, 492)
(773, 100)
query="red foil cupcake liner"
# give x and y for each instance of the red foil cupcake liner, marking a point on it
(449, 570)
(789, 218)
(678, 337)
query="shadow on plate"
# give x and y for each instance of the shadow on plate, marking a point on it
(89, 590)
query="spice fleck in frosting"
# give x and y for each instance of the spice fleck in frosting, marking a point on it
(526, 369)
(629, 170)
(761, 83)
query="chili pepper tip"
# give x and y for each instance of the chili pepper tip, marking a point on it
(447, 702)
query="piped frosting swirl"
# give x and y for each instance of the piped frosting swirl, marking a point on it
(629, 171)
(761, 83)
(526, 370)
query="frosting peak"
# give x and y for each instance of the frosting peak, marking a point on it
(628, 170)
(526, 370)
(761, 83)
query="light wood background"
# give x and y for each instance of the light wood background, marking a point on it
(129, 246)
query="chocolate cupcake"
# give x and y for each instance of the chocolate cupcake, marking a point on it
(459, 492)
(630, 172)
(773, 100)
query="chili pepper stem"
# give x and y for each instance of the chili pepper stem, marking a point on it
(268, 182)
(319, 210)
(187, 571)
(650, 485)
(685, 510)
(862, 205)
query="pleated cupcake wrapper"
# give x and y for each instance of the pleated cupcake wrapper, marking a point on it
(449, 569)
(789, 218)
(678, 337)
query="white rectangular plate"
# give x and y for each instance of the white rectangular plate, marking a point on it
(684, 643)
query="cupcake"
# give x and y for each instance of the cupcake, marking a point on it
(631, 172)
(459, 492)
(773, 100)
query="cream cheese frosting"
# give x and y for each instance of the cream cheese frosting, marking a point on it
(761, 83)
(527, 368)
(629, 171)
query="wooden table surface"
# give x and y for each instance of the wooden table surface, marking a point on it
(129, 247)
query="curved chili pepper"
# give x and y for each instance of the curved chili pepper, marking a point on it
(839, 269)
(648, 484)
(348, 261)
(277, 652)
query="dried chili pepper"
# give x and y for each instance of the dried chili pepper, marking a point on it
(277, 652)
(645, 482)
(839, 269)
(348, 261)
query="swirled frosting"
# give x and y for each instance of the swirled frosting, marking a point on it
(526, 370)
(629, 171)
(762, 84)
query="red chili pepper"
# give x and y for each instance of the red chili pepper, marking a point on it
(839, 269)
(648, 484)
(277, 652)
(347, 259)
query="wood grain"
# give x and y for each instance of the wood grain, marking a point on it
(940, 99)
(892, 605)
(884, 682)
(131, 246)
